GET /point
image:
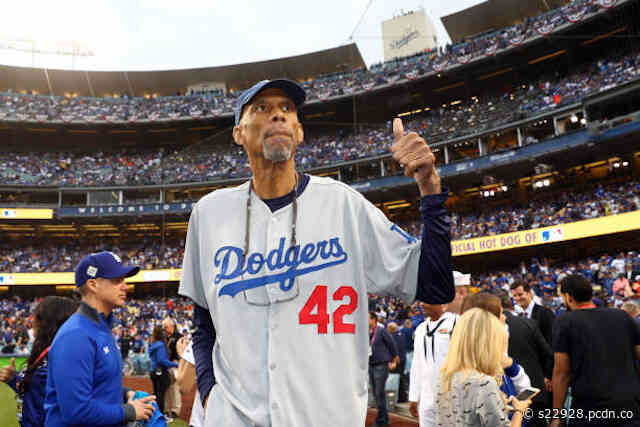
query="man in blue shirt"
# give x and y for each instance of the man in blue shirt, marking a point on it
(84, 386)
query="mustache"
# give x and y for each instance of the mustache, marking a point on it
(273, 132)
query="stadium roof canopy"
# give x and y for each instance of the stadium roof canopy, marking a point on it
(170, 82)
(493, 15)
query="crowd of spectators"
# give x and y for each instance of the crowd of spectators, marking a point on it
(197, 104)
(549, 209)
(57, 256)
(207, 161)
(544, 210)
(138, 317)
(616, 279)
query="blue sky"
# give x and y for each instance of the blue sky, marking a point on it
(164, 34)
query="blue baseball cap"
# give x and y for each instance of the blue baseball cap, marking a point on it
(291, 88)
(106, 265)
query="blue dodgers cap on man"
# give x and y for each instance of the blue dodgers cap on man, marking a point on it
(291, 88)
(106, 265)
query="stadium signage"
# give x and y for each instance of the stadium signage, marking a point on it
(575, 230)
(26, 214)
(150, 209)
(144, 276)
(570, 231)
(405, 39)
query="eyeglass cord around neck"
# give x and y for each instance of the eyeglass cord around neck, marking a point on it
(294, 220)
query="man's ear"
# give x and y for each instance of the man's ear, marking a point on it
(237, 134)
(91, 285)
(299, 132)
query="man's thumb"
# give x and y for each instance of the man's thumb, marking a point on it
(13, 362)
(398, 128)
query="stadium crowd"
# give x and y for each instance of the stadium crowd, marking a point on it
(548, 210)
(616, 279)
(197, 104)
(205, 162)
(146, 253)
(140, 316)
(543, 210)
(136, 324)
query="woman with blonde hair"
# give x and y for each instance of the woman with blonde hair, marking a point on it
(468, 392)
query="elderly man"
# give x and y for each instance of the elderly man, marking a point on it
(281, 265)
(173, 399)
(633, 310)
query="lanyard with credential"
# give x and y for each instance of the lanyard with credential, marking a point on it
(43, 354)
(373, 338)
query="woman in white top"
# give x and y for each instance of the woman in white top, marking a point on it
(186, 379)
(468, 392)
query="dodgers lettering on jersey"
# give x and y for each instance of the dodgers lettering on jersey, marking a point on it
(291, 322)
(233, 264)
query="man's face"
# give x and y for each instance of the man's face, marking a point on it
(168, 327)
(456, 305)
(522, 297)
(269, 127)
(112, 291)
(372, 322)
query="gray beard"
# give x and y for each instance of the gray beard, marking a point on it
(276, 153)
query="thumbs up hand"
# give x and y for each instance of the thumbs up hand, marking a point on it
(415, 156)
(8, 372)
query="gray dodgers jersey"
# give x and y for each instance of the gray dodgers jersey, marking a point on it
(291, 324)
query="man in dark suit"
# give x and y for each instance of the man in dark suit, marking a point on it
(543, 317)
(400, 339)
(529, 348)
(383, 357)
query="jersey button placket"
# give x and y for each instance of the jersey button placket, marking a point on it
(277, 230)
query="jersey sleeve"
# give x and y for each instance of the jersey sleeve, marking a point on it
(398, 264)
(191, 284)
(391, 255)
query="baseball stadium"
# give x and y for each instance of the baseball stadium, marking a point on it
(532, 114)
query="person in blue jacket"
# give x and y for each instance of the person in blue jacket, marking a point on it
(84, 385)
(29, 384)
(160, 365)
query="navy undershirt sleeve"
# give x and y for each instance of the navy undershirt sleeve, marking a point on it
(204, 338)
(435, 273)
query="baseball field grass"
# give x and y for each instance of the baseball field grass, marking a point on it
(8, 409)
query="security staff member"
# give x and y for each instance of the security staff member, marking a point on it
(84, 386)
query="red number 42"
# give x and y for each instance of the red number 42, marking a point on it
(318, 298)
